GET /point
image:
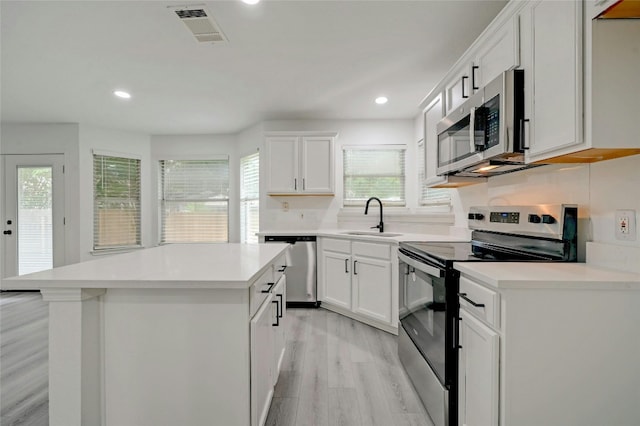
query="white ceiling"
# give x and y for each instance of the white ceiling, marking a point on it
(61, 60)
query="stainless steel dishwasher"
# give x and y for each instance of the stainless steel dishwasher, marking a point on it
(302, 287)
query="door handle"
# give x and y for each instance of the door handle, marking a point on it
(474, 304)
(277, 324)
(295, 184)
(7, 232)
(355, 271)
(473, 77)
(346, 266)
(283, 268)
(281, 305)
(269, 289)
(464, 77)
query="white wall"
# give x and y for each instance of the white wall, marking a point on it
(190, 147)
(52, 139)
(116, 142)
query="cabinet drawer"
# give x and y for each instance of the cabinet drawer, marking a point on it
(380, 251)
(256, 295)
(335, 244)
(487, 302)
(279, 266)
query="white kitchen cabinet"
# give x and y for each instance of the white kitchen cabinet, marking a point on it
(433, 113)
(457, 89)
(279, 336)
(543, 351)
(356, 279)
(478, 373)
(262, 348)
(337, 278)
(552, 63)
(372, 288)
(300, 164)
(500, 52)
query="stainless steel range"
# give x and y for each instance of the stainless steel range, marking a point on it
(429, 289)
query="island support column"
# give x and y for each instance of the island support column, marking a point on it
(75, 365)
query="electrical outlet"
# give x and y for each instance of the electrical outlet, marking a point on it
(625, 225)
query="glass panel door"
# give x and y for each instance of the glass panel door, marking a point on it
(35, 219)
(33, 213)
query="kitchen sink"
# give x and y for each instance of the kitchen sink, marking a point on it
(371, 233)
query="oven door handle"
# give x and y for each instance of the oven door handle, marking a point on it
(420, 266)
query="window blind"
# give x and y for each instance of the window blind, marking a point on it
(194, 201)
(374, 172)
(429, 196)
(249, 198)
(116, 202)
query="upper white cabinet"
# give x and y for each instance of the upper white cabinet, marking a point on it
(552, 61)
(498, 53)
(300, 164)
(457, 88)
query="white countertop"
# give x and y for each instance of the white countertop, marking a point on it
(343, 233)
(548, 275)
(173, 266)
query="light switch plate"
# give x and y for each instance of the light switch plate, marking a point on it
(625, 223)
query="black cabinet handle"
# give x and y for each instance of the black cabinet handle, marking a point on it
(303, 184)
(281, 306)
(346, 266)
(464, 77)
(7, 232)
(473, 77)
(477, 305)
(277, 324)
(355, 271)
(269, 289)
(283, 268)
(295, 184)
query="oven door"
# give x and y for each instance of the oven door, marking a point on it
(422, 311)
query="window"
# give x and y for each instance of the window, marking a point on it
(374, 171)
(429, 196)
(249, 198)
(194, 201)
(116, 202)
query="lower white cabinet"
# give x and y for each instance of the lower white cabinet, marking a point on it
(280, 297)
(267, 350)
(372, 288)
(356, 279)
(478, 373)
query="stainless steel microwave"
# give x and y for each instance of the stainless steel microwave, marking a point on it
(485, 128)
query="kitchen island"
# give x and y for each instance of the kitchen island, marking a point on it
(164, 336)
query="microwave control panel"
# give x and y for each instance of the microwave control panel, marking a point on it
(505, 217)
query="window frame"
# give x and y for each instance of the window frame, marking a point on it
(160, 195)
(116, 247)
(244, 236)
(376, 147)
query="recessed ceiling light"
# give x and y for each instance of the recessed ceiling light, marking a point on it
(122, 94)
(251, 1)
(381, 100)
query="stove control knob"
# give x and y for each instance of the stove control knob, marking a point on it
(547, 218)
(534, 218)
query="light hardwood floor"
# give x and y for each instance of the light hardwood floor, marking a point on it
(338, 371)
(24, 346)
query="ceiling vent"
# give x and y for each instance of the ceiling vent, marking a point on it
(201, 23)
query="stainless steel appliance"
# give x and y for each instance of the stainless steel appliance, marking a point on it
(302, 288)
(484, 136)
(429, 289)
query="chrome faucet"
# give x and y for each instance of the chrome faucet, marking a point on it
(366, 210)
